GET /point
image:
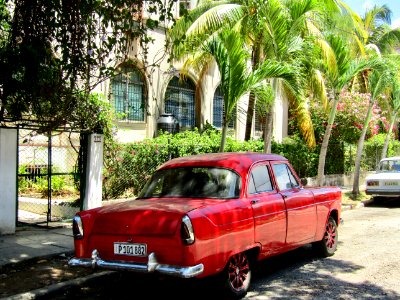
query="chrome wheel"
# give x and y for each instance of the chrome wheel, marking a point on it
(327, 246)
(238, 275)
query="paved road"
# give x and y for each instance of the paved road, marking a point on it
(366, 266)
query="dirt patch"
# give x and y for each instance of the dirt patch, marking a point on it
(35, 274)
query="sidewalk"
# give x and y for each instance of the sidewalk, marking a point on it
(31, 242)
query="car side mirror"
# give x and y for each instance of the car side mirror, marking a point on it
(304, 181)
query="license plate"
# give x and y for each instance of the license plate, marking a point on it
(130, 249)
(391, 183)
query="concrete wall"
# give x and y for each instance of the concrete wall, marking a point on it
(342, 180)
(8, 180)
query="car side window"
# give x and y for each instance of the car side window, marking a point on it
(260, 180)
(284, 177)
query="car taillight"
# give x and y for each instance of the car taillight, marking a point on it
(77, 228)
(187, 233)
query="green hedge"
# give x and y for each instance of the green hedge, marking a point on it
(128, 166)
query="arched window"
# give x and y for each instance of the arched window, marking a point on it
(218, 110)
(129, 95)
(180, 101)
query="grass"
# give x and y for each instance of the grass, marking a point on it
(349, 199)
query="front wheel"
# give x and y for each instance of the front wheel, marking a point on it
(237, 276)
(327, 246)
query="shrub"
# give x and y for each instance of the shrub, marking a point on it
(128, 166)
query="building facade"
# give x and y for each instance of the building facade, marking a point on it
(140, 94)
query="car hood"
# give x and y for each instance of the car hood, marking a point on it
(384, 176)
(145, 216)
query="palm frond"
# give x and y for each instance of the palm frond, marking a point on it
(319, 88)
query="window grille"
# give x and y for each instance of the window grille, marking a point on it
(180, 101)
(129, 97)
(218, 110)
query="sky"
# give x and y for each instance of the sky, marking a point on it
(359, 6)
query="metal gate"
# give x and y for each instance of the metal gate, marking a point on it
(49, 176)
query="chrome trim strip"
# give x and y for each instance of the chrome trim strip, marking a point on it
(151, 266)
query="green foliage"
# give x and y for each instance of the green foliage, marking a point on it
(373, 151)
(93, 113)
(60, 186)
(128, 166)
(350, 115)
(56, 50)
(303, 159)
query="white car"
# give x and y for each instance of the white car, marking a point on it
(386, 180)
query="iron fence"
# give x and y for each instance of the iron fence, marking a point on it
(48, 178)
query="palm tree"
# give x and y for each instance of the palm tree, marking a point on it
(374, 37)
(373, 32)
(237, 79)
(340, 69)
(395, 103)
(377, 84)
(275, 29)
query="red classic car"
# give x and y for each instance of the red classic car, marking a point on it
(208, 214)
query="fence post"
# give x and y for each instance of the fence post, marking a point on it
(8, 179)
(94, 166)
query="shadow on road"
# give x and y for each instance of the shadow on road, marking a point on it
(388, 202)
(298, 274)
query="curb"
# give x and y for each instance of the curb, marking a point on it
(58, 287)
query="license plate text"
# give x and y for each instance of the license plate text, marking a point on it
(130, 249)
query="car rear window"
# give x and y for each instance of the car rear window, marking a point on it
(389, 166)
(196, 182)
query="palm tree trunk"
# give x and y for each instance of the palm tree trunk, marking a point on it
(360, 146)
(252, 98)
(267, 129)
(389, 133)
(325, 142)
(249, 116)
(223, 135)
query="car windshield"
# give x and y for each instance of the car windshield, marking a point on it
(196, 182)
(389, 166)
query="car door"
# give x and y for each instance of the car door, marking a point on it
(268, 209)
(300, 205)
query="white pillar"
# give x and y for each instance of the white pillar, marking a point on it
(93, 190)
(8, 180)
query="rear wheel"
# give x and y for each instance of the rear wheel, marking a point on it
(237, 276)
(327, 246)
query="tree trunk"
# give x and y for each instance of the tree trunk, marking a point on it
(360, 146)
(223, 135)
(269, 124)
(325, 142)
(249, 116)
(252, 98)
(389, 133)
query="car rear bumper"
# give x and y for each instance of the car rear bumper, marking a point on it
(383, 193)
(151, 266)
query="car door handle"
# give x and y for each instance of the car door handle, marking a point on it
(254, 201)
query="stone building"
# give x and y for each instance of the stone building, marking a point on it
(141, 94)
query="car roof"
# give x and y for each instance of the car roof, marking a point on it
(391, 158)
(239, 161)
